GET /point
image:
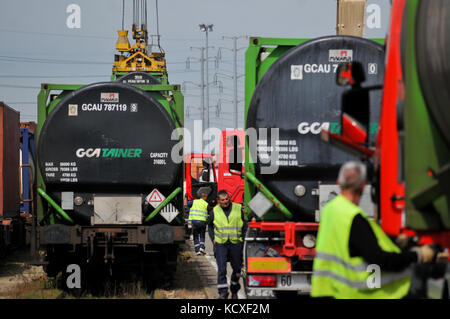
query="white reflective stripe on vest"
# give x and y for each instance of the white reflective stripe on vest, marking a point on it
(330, 257)
(327, 273)
(228, 228)
(227, 235)
(198, 210)
(386, 278)
(197, 215)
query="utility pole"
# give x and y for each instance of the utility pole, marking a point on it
(204, 103)
(234, 77)
(207, 28)
(350, 17)
(202, 78)
(207, 80)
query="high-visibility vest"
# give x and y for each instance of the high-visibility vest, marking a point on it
(228, 228)
(336, 274)
(199, 210)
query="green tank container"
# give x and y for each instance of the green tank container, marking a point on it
(427, 116)
(109, 192)
(290, 85)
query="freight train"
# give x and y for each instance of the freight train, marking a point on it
(110, 194)
(290, 174)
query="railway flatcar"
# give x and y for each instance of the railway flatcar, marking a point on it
(110, 195)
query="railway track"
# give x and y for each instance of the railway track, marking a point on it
(21, 281)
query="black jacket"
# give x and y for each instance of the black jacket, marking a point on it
(363, 243)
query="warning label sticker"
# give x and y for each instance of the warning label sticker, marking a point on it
(155, 198)
(73, 109)
(296, 72)
(340, 55)
(372, 68)
(109, 97)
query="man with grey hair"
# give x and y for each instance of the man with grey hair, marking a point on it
(352, 175)
(349, 246)
(198, 214)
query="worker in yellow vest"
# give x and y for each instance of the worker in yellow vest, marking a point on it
(227, 227)
(354, 257)
(198, 215)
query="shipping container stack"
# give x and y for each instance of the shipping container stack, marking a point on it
(11, 227)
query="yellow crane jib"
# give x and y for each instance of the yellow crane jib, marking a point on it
(137, 58)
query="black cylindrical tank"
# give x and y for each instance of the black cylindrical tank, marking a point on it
(433, 60)
(298, 95)
(107, 138)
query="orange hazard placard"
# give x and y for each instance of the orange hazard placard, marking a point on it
(269, 265)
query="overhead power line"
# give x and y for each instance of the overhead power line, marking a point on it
(58, 61)
(21, 102)
(40, 60)
(235, 77)
(18, 86)
(102, 37)
(59, 34)
(52, 76)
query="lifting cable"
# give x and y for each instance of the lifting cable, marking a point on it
(157, 27)
(134, 11)
(136, 21)
(145, 1)
(123, 14)
(144, 12)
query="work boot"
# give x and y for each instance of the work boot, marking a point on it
(198, 253)
(203, 251)
(223, 296)
(234, 295)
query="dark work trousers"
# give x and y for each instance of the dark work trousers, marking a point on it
(199, 230)
(232, 253)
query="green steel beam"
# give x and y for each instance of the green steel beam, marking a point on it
(257, 41)
(63, 87)
(42, 115)
(55, 205)
(163, 203)
(159, 87)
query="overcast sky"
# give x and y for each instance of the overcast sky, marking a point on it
(38, 46)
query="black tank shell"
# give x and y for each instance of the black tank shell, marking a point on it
(108, 134)
(298, 95)
(433, 60)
